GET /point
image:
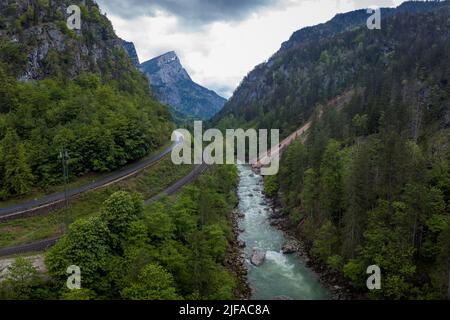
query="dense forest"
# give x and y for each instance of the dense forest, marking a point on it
(322, 62)
(76, 88)
(370, 184)
(172, 249)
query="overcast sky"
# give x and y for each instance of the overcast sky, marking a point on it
(220, 41)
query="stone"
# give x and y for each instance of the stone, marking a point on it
(289, 247)
(258, 257)
(173, 86)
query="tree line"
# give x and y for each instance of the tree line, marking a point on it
(173, 249)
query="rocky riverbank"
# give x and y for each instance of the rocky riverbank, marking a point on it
(236, 259)
(340, 288)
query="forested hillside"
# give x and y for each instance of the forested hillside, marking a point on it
(76, 88)
(173, 249)
(371, 184)
(321, 62)
(173, 86)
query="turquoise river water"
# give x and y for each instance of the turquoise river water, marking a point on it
(279, 275)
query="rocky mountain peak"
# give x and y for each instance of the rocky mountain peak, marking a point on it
(174, 87)
(131, 50)
(165, 69)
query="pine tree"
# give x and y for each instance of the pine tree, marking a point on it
(18, 176)
(331, 195)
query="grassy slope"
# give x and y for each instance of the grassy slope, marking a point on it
(149, 182)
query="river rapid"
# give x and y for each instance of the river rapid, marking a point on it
(280, 276)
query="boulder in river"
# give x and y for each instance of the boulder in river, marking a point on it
(241, 244)
(258, 257)
(289, 247)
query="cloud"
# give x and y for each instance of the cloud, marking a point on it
(370, 3)
(218, 54)
(191, 12)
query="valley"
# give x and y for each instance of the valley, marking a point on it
(359, 123)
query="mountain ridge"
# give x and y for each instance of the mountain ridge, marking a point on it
(173, 86)
(305, 59)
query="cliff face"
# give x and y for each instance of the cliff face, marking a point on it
(173, 86)
(76, 88)
(51, 48)
(322, 62)
(131, 50)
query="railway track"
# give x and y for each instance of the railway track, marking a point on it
(44, 244)
(56, 201)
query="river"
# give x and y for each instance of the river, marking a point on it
(280, 275)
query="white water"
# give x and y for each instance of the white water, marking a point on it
(280, 275)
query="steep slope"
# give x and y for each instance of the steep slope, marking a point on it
(319, 63)
(174, 87)
(76, 88)
(131, 50)
(370, 185)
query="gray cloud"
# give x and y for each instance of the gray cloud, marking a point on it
(202, 12)
(193, 12)
(369, 3)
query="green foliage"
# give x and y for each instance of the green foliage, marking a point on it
(325, 242)
(102, 128)
(173, 249)
(78, 295)
(335, 262)
(84, 92)
(119, 211)
(21, 282)
(86, 245)
(373, 199)
(271, 186)
(331, 200)
(153, 283)
(355, 270)
(371, 182)
(18, 178)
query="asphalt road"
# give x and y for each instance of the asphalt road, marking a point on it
(19, 209)
(44, 244)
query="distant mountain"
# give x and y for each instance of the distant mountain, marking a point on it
(317, 64)
(131, 50)
(81, 90)
(370, 182)
(173, 86)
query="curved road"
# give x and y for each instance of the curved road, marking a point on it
(56, 200)
(46, 243)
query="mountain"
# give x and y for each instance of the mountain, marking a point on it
(313, 67)
(173, 86)
(131, 50)
(369, 184)
(73, 88)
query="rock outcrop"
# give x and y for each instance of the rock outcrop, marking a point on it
(258, 257)
(131, 50)
(50, 48)
(173, 86)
